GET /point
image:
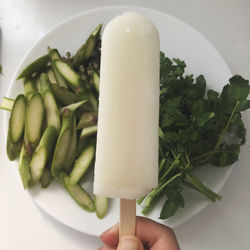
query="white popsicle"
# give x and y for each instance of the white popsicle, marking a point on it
(126, 163)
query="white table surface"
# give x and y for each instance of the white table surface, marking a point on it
(222, 225)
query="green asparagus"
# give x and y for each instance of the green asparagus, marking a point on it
(46, 178)
(101, 206)
(76, 192)
(82, 164)
(24, 167)
(87, 120)
(63, 142)
(86, 50)
(12, 149)
(34, 118)
(43, 152)
(70, 76)
(52, 112)
(7, 103)
(54, 55)
(88, 131)
(17, 119)
(70, 156)
(38, 66)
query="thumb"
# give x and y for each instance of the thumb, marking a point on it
(130, 243)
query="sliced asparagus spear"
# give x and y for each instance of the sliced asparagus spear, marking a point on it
(95, 79)
(46, 178)
(34, 120)
(87, 120)
(63, 95)
(62, 147)
(17, 119)
(82, 164)
(54, 55)
(77, 192)
(69, 158)
(73, 106)
(29, 87)
(51, 76)
(43, 152)
(92, 99)
(44, 83)
(7, 103)
(70, 76)
(101, 206)
(63, 142)
(52, 112)
(24, 167)
(37, 83)
(86, 50)
(38, 66)
(88, 131)
(12, 149)
(80, 146)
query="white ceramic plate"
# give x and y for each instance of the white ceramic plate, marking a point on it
(178, 39)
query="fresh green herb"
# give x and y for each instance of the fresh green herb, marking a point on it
(194, 131)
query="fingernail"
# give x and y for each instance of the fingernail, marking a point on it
(128, 243)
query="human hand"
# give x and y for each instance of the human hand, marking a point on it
(150, 235)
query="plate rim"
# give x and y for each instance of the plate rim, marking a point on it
(124, 8)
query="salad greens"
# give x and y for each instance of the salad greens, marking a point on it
(197, 127)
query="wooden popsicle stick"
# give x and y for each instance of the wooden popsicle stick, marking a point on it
(127, 217)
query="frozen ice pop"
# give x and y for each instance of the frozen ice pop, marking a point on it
(126, 163)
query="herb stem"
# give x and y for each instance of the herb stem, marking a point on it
(174, 163)
(226, 127)
(199, 186)
(203, 155)
(172, 151)
(210, 154)
(154, 201)
(157, 190)
(188, 161)
(190, 185)
(140, 200)
(161, 165)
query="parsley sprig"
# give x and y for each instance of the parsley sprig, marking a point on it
(197, 128)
